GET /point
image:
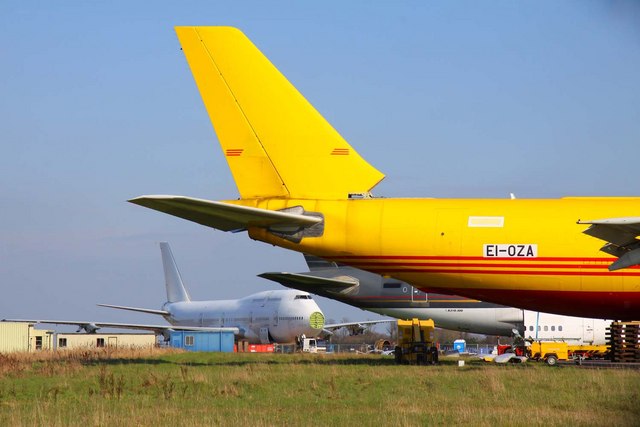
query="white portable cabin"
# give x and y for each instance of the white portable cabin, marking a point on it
(77, 340)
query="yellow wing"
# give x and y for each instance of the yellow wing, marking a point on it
(275, 142)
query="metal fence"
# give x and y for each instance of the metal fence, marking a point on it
(470, 348)
(368, 348)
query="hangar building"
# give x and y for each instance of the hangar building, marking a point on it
(24, 337)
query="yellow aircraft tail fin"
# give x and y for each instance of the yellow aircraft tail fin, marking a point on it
(275, 142)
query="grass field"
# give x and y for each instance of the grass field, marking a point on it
(99, 388)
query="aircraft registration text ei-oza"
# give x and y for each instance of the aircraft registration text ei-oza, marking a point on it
(510, 250)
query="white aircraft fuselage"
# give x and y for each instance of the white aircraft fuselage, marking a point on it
(269, 316)
(572, 330)
(502, 321)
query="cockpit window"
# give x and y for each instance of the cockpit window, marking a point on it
(303, 297)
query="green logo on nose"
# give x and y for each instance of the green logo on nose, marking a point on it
(316, 320)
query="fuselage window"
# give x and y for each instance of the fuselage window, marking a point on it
(546, 328)
(530, 328)
(553, 328)
(392, 285)
(560, 328)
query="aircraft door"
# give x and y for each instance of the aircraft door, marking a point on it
(587, 330)
(418, 296)
(275, 318)
(264, 335)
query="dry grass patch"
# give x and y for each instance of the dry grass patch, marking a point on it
(242, 389)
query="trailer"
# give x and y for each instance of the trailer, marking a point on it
(548, 351)
(553, 351)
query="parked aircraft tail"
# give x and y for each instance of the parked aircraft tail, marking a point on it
(275, 142)
(176, 291)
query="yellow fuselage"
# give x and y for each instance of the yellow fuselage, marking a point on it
(527, 253)
(283, 153)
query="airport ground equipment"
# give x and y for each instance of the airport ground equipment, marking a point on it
(552, 351)
(416, 342)
(624, 341)
(313, 345)
(382, 345)
(549, 351)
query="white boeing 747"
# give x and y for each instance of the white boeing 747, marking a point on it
(265, 317)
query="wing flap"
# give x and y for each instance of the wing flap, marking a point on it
(618, 231)
(621, 235)
(226, 216)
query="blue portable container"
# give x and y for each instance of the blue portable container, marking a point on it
(460, 346)
(203, 341)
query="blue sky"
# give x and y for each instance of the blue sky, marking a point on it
(448, 99)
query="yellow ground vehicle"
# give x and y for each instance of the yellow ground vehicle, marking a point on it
(552, 351)
(549, 351)
(415, 342)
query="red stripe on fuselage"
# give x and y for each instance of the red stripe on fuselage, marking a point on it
(463, 258)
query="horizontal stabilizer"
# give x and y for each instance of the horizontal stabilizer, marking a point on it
(311, 284)
(621, 235)
(226, 216)
(140, 310)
